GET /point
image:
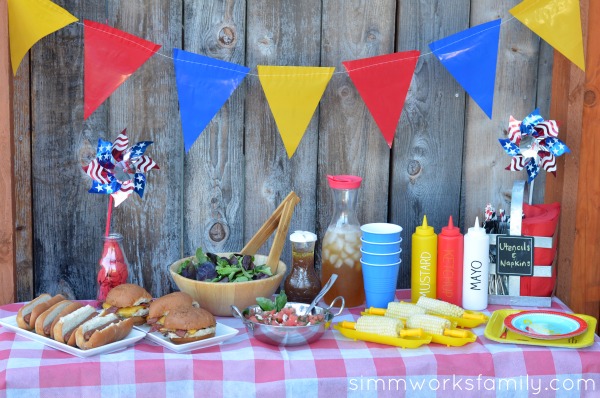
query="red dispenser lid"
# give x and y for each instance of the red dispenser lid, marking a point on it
(344, 181)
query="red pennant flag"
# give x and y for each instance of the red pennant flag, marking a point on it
(383, 82)
(110, 57)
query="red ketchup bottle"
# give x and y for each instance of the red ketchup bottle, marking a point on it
(449, 264)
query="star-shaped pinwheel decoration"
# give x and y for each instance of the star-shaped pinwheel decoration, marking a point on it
(533, 143)
(117, 170)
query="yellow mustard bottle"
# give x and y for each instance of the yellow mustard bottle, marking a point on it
(423, 271)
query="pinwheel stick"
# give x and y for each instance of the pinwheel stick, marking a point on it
(108, 214)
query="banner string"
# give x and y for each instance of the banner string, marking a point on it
(298, 74)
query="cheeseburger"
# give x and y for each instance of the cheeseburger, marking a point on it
(128, 301)
(185, 325)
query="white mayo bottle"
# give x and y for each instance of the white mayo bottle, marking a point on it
(476, 268)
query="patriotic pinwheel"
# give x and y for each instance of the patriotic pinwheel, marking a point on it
(533, 143)
(118, 170)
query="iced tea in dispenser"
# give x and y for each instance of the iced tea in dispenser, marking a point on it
(340, 252)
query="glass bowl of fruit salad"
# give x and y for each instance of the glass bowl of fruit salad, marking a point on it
(288, 325)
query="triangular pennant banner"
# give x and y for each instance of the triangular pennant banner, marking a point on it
(558, 22)
(471, 56)
(293, 93)
(110, 57)
(31, 20)
(383, 82)
(204, 84)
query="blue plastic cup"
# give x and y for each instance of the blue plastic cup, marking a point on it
(380, 248)
(380, 283)
(381, 232)
(380, 258)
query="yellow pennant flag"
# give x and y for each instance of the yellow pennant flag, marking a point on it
(293, 93)
(31, 20)
(558, 22)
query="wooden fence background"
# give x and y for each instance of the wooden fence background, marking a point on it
(445, 159)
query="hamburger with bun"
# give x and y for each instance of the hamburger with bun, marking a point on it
(102, 330)
(160, 307)
(128, 301)
(186, 325)
(29, 313)
(64, 329)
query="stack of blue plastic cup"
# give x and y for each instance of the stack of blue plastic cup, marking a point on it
(380, 260)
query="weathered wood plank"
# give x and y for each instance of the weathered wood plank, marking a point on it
(7, 177)
(68, 222)
(349, 139)
(567, 105)
(23, 161)
(428, 150)
(147, 105)
(279, 33)
(213, 177)
(515, 94)
(585, 279)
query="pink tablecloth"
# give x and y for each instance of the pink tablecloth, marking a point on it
(332, 367)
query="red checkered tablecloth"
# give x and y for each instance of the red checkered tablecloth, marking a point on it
(331, 367)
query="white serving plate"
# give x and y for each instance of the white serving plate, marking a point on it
(133, 336)
(222, 333)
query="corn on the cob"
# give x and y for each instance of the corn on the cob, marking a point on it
(403, 310)
(397, 310)
(438, 307)
(434, 325)
(381, 325)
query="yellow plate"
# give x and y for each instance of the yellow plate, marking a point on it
(496, 331)
(409, 342)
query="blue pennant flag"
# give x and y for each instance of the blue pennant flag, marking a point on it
(470, 56)
(204, 84)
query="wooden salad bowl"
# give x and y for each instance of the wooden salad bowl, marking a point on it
(217, 298)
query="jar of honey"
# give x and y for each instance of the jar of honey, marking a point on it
(340, 252)
(302, 284)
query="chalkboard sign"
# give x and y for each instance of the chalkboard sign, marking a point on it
(515, 255)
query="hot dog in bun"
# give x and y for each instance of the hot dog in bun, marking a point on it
(29, 313)
(64, 330)
(66, 311)
(43, 323)
(102, 330)
(128, 301)
(185, 325)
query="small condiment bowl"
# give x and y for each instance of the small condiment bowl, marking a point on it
(288, 335)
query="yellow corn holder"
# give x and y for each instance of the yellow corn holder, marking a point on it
(403, 310)
(463, 318)
(403, 342)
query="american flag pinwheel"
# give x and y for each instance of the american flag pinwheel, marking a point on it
(118, 170)
(533, 143)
